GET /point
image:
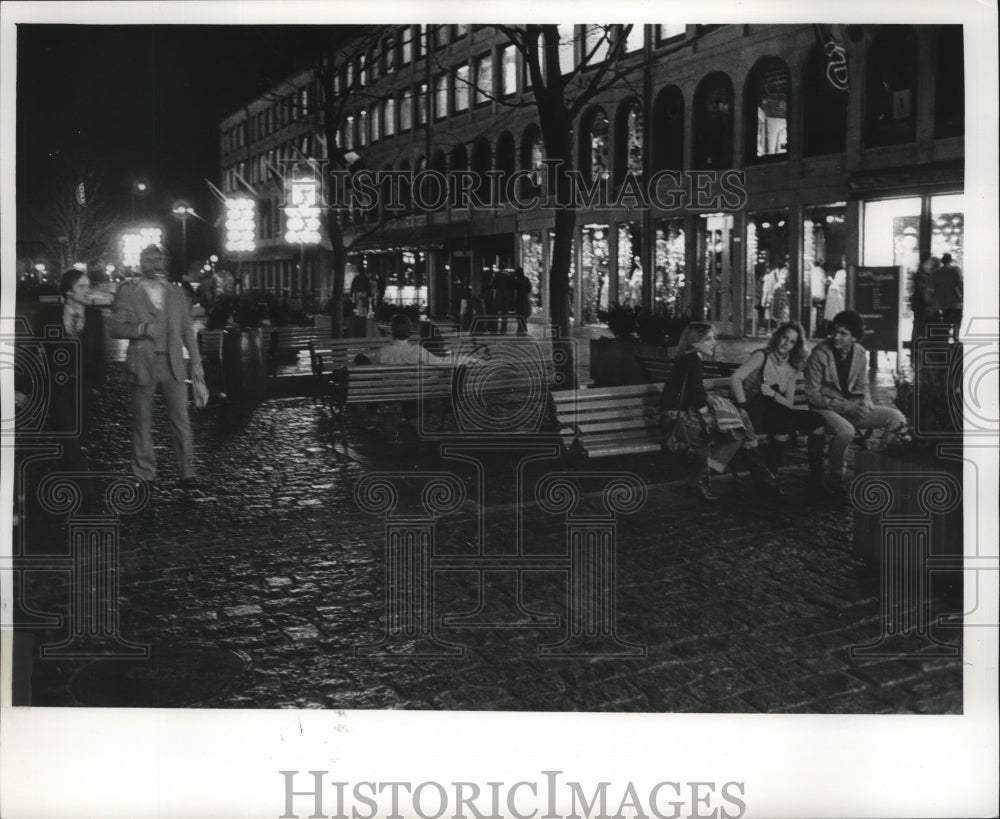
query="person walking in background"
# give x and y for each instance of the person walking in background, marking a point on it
(946, 286)
(522, 295)
(922, 299)
(837, 388)
(70, 400)
(361, 294)
(156, 319)
(764, 386)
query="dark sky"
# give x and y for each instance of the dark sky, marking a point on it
(143, 102)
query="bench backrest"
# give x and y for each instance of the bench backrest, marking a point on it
(721, 386)
(609, 418)
(332, 353)
(376, 383)
(657, 369)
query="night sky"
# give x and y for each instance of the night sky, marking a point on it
(143, 102)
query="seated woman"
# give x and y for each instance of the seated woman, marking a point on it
(710, 427)
(765, 387)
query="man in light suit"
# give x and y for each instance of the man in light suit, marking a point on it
(156, 318)
(836, 386)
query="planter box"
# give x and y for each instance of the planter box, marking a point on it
(896, 500)
(613, 363)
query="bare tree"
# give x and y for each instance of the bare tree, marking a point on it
(76, 223)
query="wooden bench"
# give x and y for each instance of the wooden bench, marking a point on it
(657, 368)
(373, 384)
(469, 392)
(292, 340)
(623, 420)
(328, 355)
(608, 421)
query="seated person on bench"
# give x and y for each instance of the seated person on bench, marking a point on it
(401, 351)
(765, 387)
(837, 388)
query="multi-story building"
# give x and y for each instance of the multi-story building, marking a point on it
(847, 147)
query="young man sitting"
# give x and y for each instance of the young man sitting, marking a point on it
(836, 384)
(401, 351)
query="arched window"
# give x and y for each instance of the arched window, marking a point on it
(713, 126)
(532, 155)
(767, 93)
(824, 108)
(949, 83)
(505, 162)
(668, 129)
(628, 140)
(594, 145)
(891, 87)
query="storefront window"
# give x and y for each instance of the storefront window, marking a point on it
(594, 271)
(630, 274)
(891, 100)
(670, 291)
(823, 263)
(768, 276)
(948, 226)
(892, 239)
(533, 262)
(767, 109)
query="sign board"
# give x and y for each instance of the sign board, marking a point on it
(877, 294)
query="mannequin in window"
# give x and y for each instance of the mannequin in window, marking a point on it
(836, 294)
(818, 282)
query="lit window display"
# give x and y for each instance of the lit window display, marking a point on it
(823, 263)
(948, 226)
(768, 275)
(532, 260)
(670, 290)
(768, 111)
(593, 271)
(630, 273)
(892, 239)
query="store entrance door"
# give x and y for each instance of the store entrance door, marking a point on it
(715, 268)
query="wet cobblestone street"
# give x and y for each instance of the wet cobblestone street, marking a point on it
(749, 605)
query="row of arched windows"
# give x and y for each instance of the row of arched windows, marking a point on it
(610, 146)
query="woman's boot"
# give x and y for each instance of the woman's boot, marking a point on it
(762, 476)
(700, 479)
(814, 447)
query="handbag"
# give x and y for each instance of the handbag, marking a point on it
(200, 390)
(677, 426)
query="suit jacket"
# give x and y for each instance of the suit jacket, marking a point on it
(69, 399)
(133, 307)
(823, 384)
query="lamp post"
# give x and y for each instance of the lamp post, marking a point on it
(183, 211)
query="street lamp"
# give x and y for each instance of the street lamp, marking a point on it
(140, 187)
(184, 211)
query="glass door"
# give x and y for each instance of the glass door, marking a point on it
(715, 266)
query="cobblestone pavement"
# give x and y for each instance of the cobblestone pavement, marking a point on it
(750, 605)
